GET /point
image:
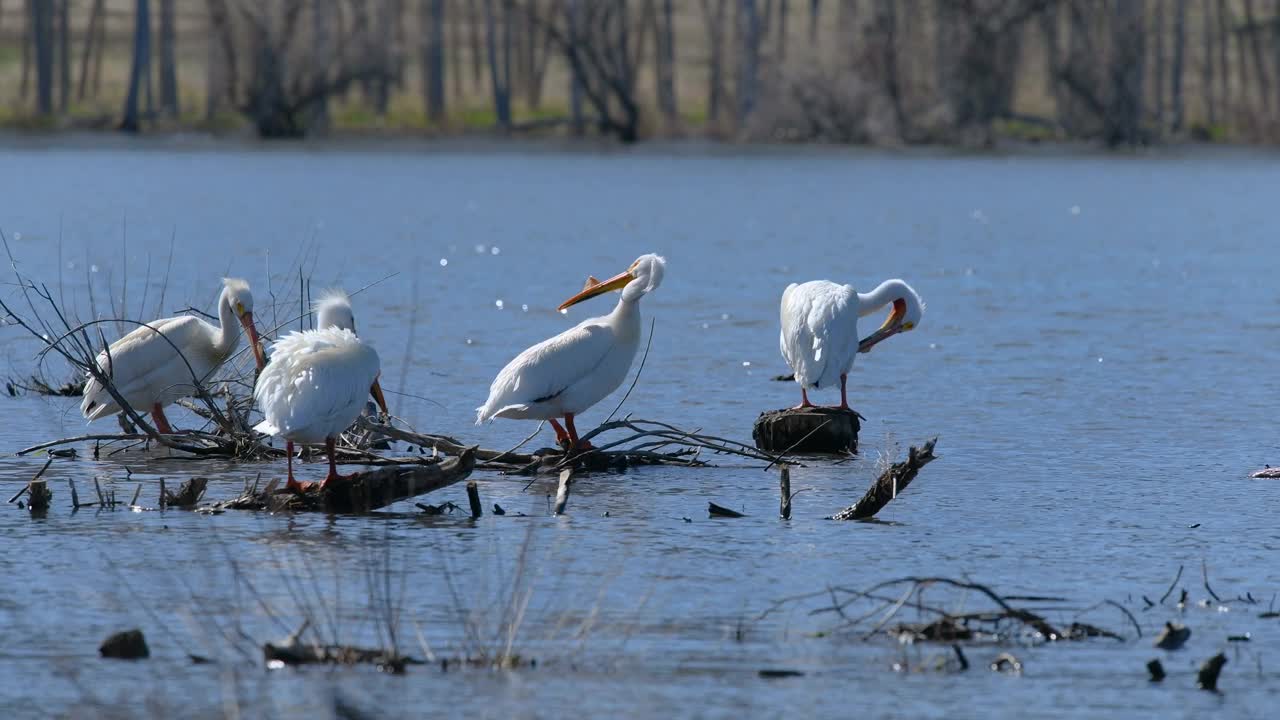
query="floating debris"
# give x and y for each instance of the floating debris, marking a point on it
(1173, 636)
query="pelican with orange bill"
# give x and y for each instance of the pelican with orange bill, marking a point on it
(564, 375)
(819, 338)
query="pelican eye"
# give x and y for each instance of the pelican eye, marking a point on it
(908, 325)
(240, 308)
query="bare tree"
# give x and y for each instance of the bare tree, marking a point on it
(1176, 71)
(433, 69)
(141, 66)
(42, 28)
(595, 37)
(498, 49)
(666, 65)
(168, 60)
(1253, 31)
(90, 39)
(64, 56)
(1124, 111)
(322, 15)
(748, 60)
(1207, 78)
(713, 22)
(1157, 31)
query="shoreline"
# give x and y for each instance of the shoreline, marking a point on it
(495, 143)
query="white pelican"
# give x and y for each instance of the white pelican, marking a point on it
(820, 328)
(149, 373)
(315, 385)
(566, 374)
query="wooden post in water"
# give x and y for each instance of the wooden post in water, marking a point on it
(39, 496)
(807, 430)
(562, 492)
(784, 488)
(473, 497)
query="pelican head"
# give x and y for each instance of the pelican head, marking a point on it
(905, 316)
(236, 295)
(643, 277)
(333, 309)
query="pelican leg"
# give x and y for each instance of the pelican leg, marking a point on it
(333, 477)
(162, 422)
(804, 399)
(293, 485)
(575, 443)
(844, 398)
(562, 437)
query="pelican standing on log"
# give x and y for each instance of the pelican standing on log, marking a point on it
(158, 363)
(316, 384)
(564, 375)
(819, 337)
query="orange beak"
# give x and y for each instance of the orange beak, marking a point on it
(258, 357)
(376, 391)
(617, 282)
(892, 326)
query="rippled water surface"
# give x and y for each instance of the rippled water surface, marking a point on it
(1097, 357)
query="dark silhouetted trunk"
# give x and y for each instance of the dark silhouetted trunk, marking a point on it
(477, 45)
(1207, 74)
(1260, 75)
(1179, 59)
(90, 40)
(498, 47)
(666, 64)
(168, 60)
(140, 67)
(573, 18)
(64, 56)
(321, 48)
(28, 43)
(44, 46)
(1124, 109)
(433, 69)
(815, 10)
(1224, 55)
(748, 60)
(713, 20)
(1157, 31)
(780, 52)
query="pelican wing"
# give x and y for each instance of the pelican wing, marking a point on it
(315, 384)
(546, 370)
(144, 363)
(819, 330)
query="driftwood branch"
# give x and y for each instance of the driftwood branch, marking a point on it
(889, 484)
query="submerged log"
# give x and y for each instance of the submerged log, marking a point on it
(362, 491)
(808, 430)
(889, 484)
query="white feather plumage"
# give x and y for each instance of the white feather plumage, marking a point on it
(315, 385)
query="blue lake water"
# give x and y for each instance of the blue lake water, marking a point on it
(1096, 357)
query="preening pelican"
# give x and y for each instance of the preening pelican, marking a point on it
(147, 370)
(316, 383)
(566, 374)
(820, 328)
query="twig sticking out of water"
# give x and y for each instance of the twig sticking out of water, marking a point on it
(891, 482)
(715, 510)
(1172, 585)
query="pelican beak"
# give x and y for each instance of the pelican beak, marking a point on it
(892, 326)
(376, 391)
(617, 282)
(258, 357)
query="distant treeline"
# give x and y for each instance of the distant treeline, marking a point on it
(1123, 72)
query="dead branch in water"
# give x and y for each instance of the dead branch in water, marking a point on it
(855, 607)
(889, 484)
(292, 651)
(646, 442)
(39, 386)
(360, 492)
